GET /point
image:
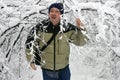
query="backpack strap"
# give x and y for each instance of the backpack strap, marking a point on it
(37, 55)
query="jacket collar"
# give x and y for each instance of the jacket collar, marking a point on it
(51, 28)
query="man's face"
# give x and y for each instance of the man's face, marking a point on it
(54, 15)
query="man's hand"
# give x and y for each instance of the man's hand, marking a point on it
(79, 24)
(32, 65)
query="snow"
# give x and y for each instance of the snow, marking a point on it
(99, 59)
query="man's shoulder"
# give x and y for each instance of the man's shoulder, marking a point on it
(42, 25)
(45, 22)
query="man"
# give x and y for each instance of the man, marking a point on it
(51, 44)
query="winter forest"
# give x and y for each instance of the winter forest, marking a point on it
(99, 59)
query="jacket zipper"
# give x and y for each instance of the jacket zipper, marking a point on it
(54, 51)
(54, 54)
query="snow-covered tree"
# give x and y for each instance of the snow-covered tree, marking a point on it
(99, 59)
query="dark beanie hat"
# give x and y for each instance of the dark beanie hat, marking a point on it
(58, 6)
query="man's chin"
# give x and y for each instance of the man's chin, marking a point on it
(54, 20)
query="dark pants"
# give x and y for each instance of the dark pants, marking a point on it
(63, 74)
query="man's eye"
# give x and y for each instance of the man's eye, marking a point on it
(57, 11)
(51, 11)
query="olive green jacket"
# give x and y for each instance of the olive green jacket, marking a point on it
(56, 55)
